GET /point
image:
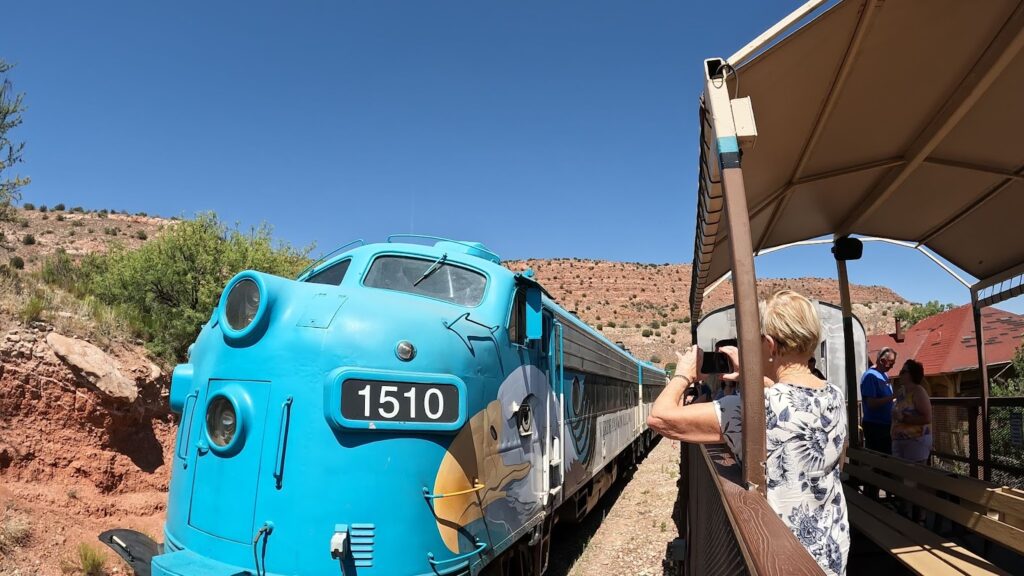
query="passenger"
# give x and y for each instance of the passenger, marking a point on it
(697, 393)
(725, 387)
(912, 416)
(876, 392)
(811, 362)
(806, 427)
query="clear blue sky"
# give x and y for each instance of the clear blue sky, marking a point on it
(542, 129)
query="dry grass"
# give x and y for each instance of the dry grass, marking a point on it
(15, 529)
(25, 296)
(88, 561)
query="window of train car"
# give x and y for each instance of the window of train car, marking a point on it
(517, 319)
(332, 275)
(430, 278)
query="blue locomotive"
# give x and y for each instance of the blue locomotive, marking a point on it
(397, 409)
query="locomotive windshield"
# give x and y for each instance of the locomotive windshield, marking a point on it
(332, 275)
(431, 278)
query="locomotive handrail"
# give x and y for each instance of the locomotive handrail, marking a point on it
(442, 239)
(328, 255)
(282, 438)
(464, 558)
(477, 486)
(186, 429)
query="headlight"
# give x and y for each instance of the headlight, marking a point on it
(221, 421)
(243, 303)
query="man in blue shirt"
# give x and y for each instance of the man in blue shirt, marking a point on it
(877, 396)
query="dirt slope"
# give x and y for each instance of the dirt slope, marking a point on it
(625, 300)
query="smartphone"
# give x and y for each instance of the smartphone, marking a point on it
(715, 363)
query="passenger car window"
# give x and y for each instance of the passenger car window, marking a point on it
(332, 275)
(445, 281)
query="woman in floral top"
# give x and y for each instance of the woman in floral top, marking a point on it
(806, 427)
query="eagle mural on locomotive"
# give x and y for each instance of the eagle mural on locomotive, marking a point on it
(399, 408)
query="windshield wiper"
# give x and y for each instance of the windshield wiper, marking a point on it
(433, 268)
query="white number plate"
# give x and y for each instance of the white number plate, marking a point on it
(375, 400)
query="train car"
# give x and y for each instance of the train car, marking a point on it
(398, 409)
(830, 355)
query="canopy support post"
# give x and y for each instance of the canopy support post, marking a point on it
(850, 353)
(986, 432)
(748, 323)
(748, 328)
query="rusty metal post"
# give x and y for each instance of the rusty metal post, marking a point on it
(852, 412)
(748, 328)
(986, 424)
(972, 440)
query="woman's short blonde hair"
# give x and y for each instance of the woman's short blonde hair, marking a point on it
(791, 320)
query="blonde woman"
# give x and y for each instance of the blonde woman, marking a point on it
(806, 427)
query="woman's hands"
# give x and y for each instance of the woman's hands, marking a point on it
(734, 358)
(688, 363)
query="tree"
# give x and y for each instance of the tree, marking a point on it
(1014, 384)
(11, 108)
(918, 312)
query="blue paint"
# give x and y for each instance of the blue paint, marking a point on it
(298, 464)
(727, 144)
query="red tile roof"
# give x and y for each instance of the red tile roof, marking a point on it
(944, 343)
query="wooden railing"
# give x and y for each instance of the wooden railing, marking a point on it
(729, 529)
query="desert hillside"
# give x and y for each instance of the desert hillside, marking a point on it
(646, 306)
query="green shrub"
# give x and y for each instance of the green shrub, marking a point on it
(655, 359)
(600, 327)
(23, 223)
(59, 218)
(646, 333)
(17, 262)
(111, 230)
(166, 288)
(611, 324)
(78, 209)
(59, 207)
(655, 324)
(141, 234)
(102, 213)
(59, 270)
(28, 240)
(45, 217)
(28, 206)
(33, 308)
(43, 208)
(76, 223)
(686, 319)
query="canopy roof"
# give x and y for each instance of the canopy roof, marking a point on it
(901, 120)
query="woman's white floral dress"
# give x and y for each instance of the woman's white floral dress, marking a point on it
(806, 429)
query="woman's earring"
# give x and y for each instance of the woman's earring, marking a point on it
(771, 359)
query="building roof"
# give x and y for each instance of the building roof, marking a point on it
(944, 343)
